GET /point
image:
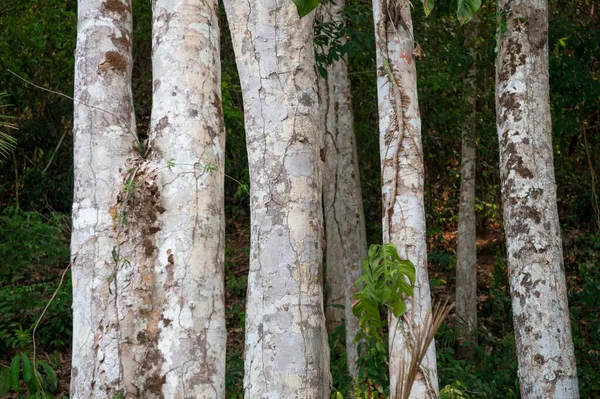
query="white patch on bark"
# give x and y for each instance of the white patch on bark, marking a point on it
(286, 340)
(535, 259)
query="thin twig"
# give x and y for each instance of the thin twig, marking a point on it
(77, 101)
(593, 178)
(37, 323)
(55, 151)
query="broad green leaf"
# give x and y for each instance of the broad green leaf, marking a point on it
(427, 6)
(306, 6)
(466, 10)
(14, 372)
(399, 308)
(27, 367)
(4, 381)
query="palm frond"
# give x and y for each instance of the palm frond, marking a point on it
(7, 142)
(423, 338)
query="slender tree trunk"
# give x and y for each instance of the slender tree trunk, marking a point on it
(402, 173)
(286, 352)
(104, 139)
(188, 131)
(537, 277)
(344, 217)
(466, 254)
(148, 236)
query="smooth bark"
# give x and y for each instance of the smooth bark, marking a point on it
(402, 173)
(104, 141)
(466, 252)
(188, 132)
(535, 259)
(148, 226)
(346, 242)
(286, 353)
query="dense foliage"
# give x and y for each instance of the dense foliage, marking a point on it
(36, 184)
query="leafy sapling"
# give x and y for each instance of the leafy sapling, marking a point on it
(384, 281)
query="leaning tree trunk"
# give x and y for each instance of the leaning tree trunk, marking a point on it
(402, 173)
(535, 260)
(286, 341)
(346, 242)
(187, 146)
(104, 139)
(466, 253)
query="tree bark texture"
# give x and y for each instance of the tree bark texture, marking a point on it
(148, 226)
(535, 260)
(104, 142)
(343, 210)
(402, 173)
(286, 354)
(188, 132)
(466, 253)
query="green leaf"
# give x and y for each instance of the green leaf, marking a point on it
(306, 6)
(466, 10)
(27, 367)
(428, 6)
(14, 372)
(4, 381)
(50, 373)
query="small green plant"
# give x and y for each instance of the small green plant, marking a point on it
(28, 379)
(385, 279)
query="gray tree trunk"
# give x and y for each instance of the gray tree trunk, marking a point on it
(188, 130)
(148, 226)
(286, 354)
(343, 210)
(535, 260)
(466, 253)
(104, 133)
(403, 178)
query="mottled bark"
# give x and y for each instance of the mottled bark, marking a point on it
(346, 242)
(286, 354)
(466, 252)
(402, 173)
(104, 139)
(148, 236)
(188, 130)
(535, 260)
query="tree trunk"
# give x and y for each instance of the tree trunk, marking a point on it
(188, 131)
(343, 210)
(535, 260)
(286, 352)
(104, 140)
(402, 173)
(148, 232)
(466, 253)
